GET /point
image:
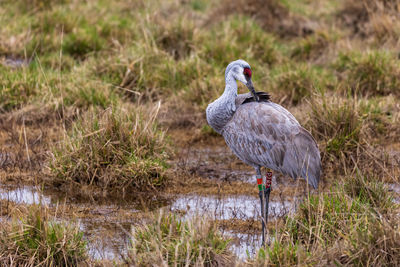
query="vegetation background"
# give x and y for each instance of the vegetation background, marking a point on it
(100, 100)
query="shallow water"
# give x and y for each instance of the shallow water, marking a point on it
(24, 195)
(14, 62)
(244, 245)
(223, 208)
(108, 234)
(395, 188)
(107, 240)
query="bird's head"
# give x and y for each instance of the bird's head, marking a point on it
(241, 71)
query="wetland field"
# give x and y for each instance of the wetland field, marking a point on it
(106, 157)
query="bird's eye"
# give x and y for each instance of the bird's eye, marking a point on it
(247, 72)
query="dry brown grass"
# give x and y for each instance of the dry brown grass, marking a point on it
(26, 135)
(241, 226)
(377, 18)
(271, 15)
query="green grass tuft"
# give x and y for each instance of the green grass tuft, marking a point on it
(113, 149)
(293, 83)
(81, 43)
(239, 36)
(173, 241)
(17, 87)
(35, 240)
(344, 128)
(312, 47)
(373, 73)
(370, 191)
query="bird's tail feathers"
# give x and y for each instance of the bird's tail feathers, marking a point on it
(309, 159)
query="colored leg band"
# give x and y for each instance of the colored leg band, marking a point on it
(260, 184)
(268, 179)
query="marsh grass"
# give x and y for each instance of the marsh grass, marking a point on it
(344, 128)
(17, 87)
(293, 83)
(372, 73)
(313, 47)
(370, 191)
(177, 38)
(338, 125)
(32, 238)
(341, 226)
(48, 26)
(235, 37)
(170, 240)
(113, 149)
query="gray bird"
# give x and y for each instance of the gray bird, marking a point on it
(263, 134)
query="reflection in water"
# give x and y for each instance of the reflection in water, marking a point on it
(14, 62)
(244, 245)
(235, 207)
(24, 195)
(107, 240)
(396, 189)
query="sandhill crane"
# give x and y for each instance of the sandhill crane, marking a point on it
(263, 134)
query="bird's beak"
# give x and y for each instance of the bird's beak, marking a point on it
(252, 90)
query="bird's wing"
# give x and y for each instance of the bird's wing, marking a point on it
(266, 134)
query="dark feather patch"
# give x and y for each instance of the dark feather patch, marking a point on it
(263, 96)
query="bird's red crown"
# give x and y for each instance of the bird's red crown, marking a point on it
(247, 72)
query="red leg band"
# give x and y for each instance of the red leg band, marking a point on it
(268, 180)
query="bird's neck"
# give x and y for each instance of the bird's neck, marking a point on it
(231, 88)
(221, 110)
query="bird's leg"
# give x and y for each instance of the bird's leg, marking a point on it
(261, 193)
(267, 191)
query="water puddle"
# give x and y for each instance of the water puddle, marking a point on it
(14, 62)
(24, 195)
(395, 188)
(223, 208)
(108, 227)
(107, 241)
(244, 245)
